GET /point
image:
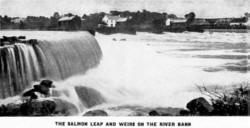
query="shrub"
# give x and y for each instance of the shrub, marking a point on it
(228, 102)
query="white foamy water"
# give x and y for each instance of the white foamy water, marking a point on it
(156, 73)
(159, 70)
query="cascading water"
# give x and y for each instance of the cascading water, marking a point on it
(19, 67)
(55, 58)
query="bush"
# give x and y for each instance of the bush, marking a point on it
(228, 102)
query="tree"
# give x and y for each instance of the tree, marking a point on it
(21, 25)
(54, 21)
(247, 14)
(56, 15)
(69, 14)
(172, 16)
(190, 17)
(115, 13)
(165, 15)
(7, 19)
(84, 16)
(77, 23)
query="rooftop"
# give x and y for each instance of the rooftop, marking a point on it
(200, 22)
(116, 18)
(66, 18)
(177, 19)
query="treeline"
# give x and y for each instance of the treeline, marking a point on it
(30, 22)
(145, 20)
(140, 21)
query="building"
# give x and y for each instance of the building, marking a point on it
(70, 23)
(223, 21)
(247, 23)
(198, 25)
(239, 23)
(230, 23)
(176, 24)
(200, 22)
(112, 21)
(175, 20)
(17, 20)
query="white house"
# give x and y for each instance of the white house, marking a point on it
(66, 18)
(239, 23)
(248, 21)
(175, 20)
(17, 20)
(111, 21)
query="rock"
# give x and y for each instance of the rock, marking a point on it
(137, 114)
(168, 111)
(89, 96)
(9, 109)
(21, 37)
(92, 32)
(32, 41)
(10, 39)
(166, 114)
(30, 94)
(1, 42)
(43, 89)
(153, 113)
(65, 108)
(248, 108)
(32, 108)
(122, 39)
(199, 106)
(38, 108)
(158, 113)
(96, 113)
(14, 39)
(184, 113)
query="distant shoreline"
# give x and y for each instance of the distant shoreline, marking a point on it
(228, 30)
(134, 33)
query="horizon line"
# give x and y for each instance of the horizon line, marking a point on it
(108, 12)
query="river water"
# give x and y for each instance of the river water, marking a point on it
(160, 70)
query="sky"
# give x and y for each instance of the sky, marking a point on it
(202, 8)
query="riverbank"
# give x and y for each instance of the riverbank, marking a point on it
(232, 101)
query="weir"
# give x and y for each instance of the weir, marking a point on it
(55, 58)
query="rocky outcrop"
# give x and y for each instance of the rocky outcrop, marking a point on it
(89, 96)
(91, 31)
(153, 113)
(226, 102)
(32, 108)
(158, 113)
(14, 39)
(137, 114)
(199, 106)
(65, 108)
(40, 107)
(96, 113)
(184, 112)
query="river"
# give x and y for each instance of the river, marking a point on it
(160, 70)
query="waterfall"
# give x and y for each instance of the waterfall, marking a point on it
(55, 58)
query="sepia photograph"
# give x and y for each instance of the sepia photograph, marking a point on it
(124, 58)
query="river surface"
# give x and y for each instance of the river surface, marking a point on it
(161, 70)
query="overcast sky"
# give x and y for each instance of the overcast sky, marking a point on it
(202, 8)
